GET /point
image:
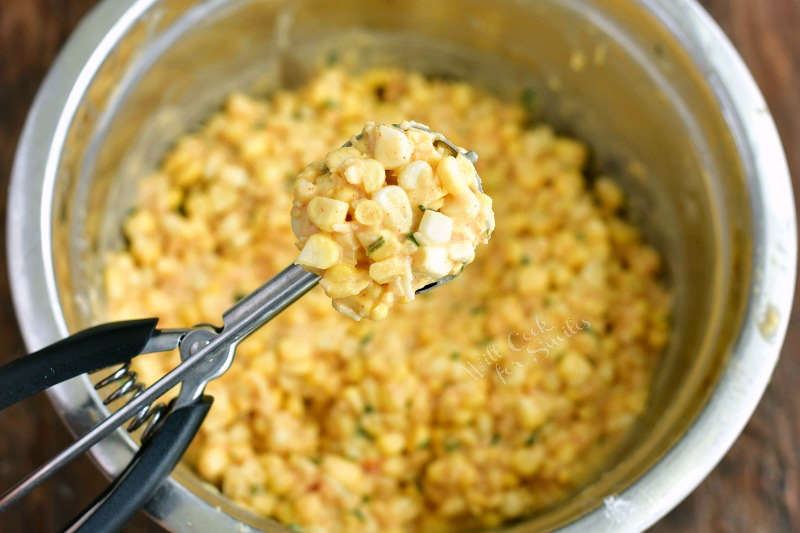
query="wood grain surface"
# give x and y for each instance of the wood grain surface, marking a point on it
(755, 488)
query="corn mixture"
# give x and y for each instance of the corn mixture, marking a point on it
(353, 218)
(483, 401)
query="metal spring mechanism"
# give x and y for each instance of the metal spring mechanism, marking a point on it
(128, 384)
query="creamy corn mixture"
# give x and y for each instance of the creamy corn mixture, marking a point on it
(480, 402)
(356, 226)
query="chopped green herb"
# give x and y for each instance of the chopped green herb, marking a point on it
(259, 123)
(421, 207)
(332, 57)
(532, 438)
(316, 460)
(528, 99)
(424, 444)
(463, 266)
(413, 239)
(580, 235)
(294, 527)
(361, 432)
(255, 489)
(239, 296)
(485, 341)
(495, 438)
(451, 445)
(525, 260)
(296, 114)
(590, 330)
(369, 409)
(330, 104)
(454, 356)
(380, 241)
(359, 514)
(658, 49)
(478, 309)
(366, 339)
(289, 180)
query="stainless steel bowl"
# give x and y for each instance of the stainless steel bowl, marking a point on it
(663, 99)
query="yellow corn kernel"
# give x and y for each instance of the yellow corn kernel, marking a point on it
(391, 443)
(347, 473)
(449, 173)
(320, 251)
(341, 281)
(374, 176)
(369, 213)
(386, 246)
(392, 147)
(387, 270)
(396, 207)
(338, 158)
(325, 212)
(304, 190)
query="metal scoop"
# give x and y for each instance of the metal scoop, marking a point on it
(206, 353)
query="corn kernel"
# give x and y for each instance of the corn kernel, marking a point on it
(320, 251)
(325, 212)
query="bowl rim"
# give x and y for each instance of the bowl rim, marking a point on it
(648, 498)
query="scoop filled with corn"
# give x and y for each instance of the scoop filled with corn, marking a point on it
(395, 211)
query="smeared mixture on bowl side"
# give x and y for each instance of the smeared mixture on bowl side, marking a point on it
(356, 226)
(478, 403)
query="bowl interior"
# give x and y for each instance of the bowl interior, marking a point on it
(605, 71)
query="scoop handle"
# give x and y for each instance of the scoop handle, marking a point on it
(142, 477)
(91, 349)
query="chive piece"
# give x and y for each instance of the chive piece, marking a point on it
(478, 309)
(359, 514)
(369, 409)
(451, 445)
(413, 239)
(294, 527)
(380, 241)
(525, 260)
(255, 489)
(366, 339)
(361, 432)
(528, 100)
(330, 104)
(463, 266)
(454, 356)
(531, 438)
(495, 438)
(332, 57)
(239, 296)
(289, 180)
(424, 444)
(580, 235)
(421, 207)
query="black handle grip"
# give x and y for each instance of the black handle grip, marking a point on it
(85, 351)
(150, 466)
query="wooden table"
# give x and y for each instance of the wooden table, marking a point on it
(755, 488)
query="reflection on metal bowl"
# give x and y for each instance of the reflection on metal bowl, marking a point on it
(673, 112)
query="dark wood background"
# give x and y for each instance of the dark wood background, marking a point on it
(755, 488)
